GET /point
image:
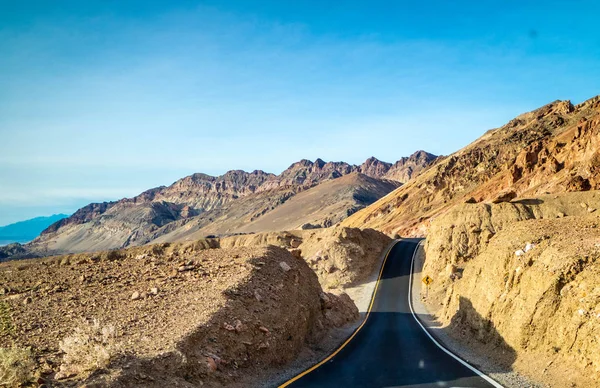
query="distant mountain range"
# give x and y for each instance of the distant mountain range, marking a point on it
(27, 230)
(307, 194)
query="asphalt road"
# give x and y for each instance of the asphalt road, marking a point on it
(391, 349)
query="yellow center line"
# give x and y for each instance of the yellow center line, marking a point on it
(287, 383)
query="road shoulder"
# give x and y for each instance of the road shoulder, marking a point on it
(361, 295)
(482, 362)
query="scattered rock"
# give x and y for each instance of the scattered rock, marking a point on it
(238, 325)
(591, 210)
(284, 266)
(520, 252)
(212, 364)
(528, 247)
(228, 327)
(27, 300)
(122, 295)
(471, 200)
(185, 268)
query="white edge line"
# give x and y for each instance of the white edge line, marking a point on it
(305, 372)
(481, 374)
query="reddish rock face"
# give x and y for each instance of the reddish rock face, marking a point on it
(408, 168)
(553, 149)
(375, 168)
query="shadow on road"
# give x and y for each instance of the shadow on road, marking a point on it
(479, 334)
(392, 349)
(467, 329)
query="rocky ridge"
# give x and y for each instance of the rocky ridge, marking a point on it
(236, 201)
(552, 149)
(202, 192)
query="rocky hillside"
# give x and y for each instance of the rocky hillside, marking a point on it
(161, 315)
(307, 193)
(341, 257)
(539, 259)
(553, 149)
(321, 206)
(513, 243)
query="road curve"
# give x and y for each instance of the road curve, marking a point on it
(391, 349)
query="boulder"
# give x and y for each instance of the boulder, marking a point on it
(284, 266)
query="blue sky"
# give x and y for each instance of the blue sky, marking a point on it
(103, 99)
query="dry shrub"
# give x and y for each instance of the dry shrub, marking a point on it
(16, 367)
(6, 322)
(89, 348)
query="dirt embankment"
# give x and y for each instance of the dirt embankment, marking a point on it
(459, 235)
(522, 279)
(340, 256)
(163, 315)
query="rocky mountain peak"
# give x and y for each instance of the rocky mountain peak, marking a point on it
(300, 164)
(374, 167)
(319, 163)
(422, 156)
(407, 167)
